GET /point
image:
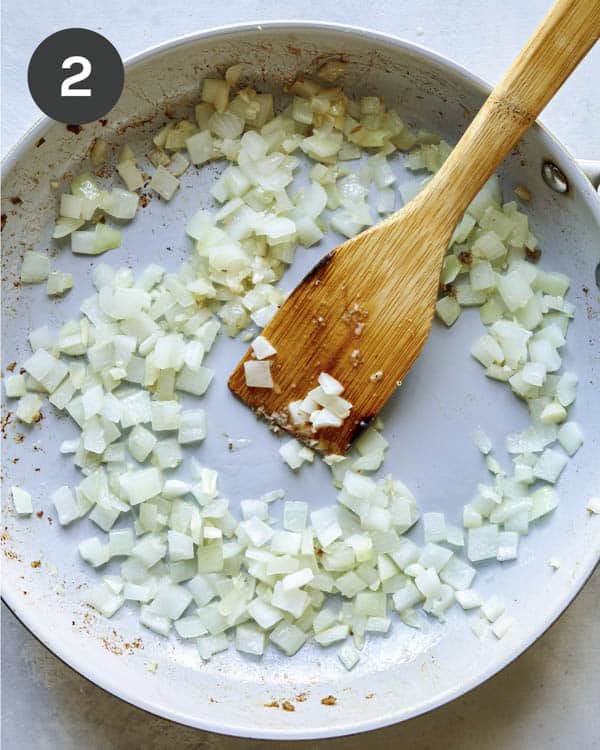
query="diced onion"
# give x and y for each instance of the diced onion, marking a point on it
(258, 374)
(118, 369)
(22, 501)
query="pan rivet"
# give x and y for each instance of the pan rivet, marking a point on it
(554, 178)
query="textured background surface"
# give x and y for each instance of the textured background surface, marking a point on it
(547, 698)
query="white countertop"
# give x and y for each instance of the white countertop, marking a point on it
(547, 698)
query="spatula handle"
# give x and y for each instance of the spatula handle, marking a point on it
(563, 38)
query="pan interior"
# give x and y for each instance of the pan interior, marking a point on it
(428, 421)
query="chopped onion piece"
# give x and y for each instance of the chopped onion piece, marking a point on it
(103, 599)
(481, 628)
(250, 639)
(330, 385)
(482, 542)
(66, 506)
(331, 635)
(550, 465)
(159, 624)
(94, 552)
(164, 183)
(321, 418)
(22, 501)
(502, 625)
(543, 501)
(29, 408)
(508, 545)
(553, 413)
(58, 283)
(288, 637)
(566, 388)
(130, 174)
(493, 608)
(468, 599)
(258, 374)
(434, 525)
(349, 656)
(298, 579)
(14, 386)
(482, 441)
(35, 267)
(262, 348)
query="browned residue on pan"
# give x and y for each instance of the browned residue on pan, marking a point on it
(112, 647)
(8, 553)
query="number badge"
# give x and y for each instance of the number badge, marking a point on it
(75, 76)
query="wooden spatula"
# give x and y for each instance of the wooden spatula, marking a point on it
(364, 312)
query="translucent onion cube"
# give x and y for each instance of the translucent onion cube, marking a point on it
(264, 614)
(407, 597)
(566, 388)
(349, 656)
(140, 443)
(258, 374)
(434, 525)
(170, 601)
(209, 645)
(66, 506)
(332, 635)
(165, 415)
(434, 556)
(14, 386)
(22, 501)
(502, 625)
(508, 545)
(570, 436)
(288, 637)
(293, 601)
(159, 624)
(330, 385)
(164, 183)
(371, 603)
(468, 599)
(103, 599)
(321, 418)
(250, 639)
(448, 310)
(482, 542)
(263, 348)
(190, 627)
(35, 267)
(544, 500)
(94, 552)
(295, 513)
(550, 465)
(192, 426)
(493, 608)
(141, 485)
(121, 542)
(297, 579)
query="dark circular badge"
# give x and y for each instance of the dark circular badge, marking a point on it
(75, 76)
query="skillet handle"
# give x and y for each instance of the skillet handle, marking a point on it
(591, 170)
(554, 50)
